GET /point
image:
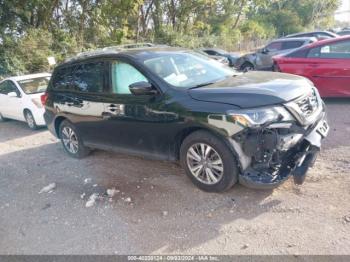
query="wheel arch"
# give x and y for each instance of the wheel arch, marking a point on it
(181, 135)
(246, 62)
(57, 123)
(26, 110)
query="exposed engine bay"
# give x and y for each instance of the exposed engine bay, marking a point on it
(272, 153)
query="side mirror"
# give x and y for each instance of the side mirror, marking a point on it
(142, 88)
(264, 51)
(12, 94)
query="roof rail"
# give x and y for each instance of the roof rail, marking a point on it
(110, 49)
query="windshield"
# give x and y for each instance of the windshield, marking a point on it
(34, 85)
(188, 69)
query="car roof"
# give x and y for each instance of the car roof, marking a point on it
(213, 49)
(26, 77)
(137, 53)
(294, 39)
(313, 32)
(329, 41)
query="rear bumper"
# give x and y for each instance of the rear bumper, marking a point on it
(50, 122)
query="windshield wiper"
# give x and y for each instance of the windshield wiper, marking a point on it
(203, 84)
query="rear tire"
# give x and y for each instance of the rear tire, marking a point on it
(71, 141)
(208, 162)
(30, 120)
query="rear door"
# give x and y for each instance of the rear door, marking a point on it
(79, 95)
(329, 68)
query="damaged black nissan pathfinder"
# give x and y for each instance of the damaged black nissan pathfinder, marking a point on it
(256, 128)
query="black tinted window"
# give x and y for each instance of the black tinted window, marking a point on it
(210, 52)
(63, 78)
(88, 77)
(84, 78)
(292, 44)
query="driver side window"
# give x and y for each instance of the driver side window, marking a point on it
(7, 87)
(123, 75)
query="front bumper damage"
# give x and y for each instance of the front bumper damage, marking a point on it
(268, 156)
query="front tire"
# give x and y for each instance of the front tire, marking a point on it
(71, 141)
(30, 120)
(208, 162)
(246, 67)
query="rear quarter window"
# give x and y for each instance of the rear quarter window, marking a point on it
(86, 77)
(62, 78)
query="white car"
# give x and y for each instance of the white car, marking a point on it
(20, 98)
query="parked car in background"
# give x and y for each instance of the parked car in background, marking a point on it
(221, 59)
(344, 32)
(262, 59)
(258, 128)
(320, 35)
(20, 98)
(216, 53)
(325, 63)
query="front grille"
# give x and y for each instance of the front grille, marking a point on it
(308, 105)
(307, 108)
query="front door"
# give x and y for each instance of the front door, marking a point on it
(11, 107)
(135, 123)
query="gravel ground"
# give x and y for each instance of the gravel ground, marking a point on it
(157, 210)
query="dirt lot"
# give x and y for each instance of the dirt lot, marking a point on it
(158, 210)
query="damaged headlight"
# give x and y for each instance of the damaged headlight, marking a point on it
(260, 116)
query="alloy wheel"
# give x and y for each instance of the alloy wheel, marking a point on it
(70, 140)
(30, 120)
(205, 163)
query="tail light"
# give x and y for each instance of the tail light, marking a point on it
(43, 99)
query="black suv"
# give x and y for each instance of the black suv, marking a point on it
(257, 128)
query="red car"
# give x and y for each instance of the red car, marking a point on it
(326, 63)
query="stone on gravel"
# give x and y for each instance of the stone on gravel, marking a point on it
(92, 200)
(111, 192)
(128, 199)
(48, 189)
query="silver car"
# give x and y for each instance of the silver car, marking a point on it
(262, 59)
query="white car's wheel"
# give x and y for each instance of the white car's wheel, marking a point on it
(30, 120)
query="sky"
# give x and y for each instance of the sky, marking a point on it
(343, 13)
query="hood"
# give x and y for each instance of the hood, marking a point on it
(254, 89)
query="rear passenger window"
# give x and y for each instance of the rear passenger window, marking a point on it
(291, 44)
(89, 77)
(275, 46)
(83, 78)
